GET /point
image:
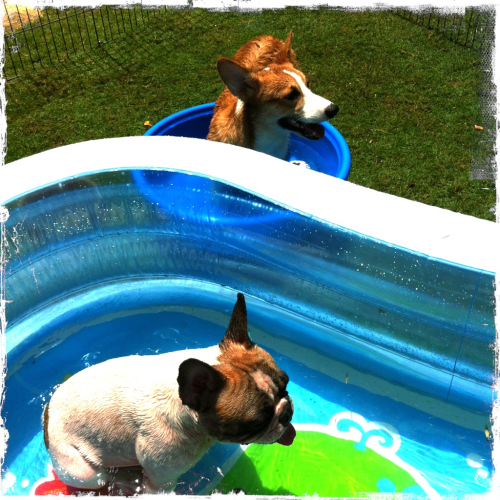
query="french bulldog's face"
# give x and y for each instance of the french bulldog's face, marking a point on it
(242, 399)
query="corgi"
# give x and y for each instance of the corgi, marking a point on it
(266, 99)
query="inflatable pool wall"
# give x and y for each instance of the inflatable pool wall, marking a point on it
(408, 315)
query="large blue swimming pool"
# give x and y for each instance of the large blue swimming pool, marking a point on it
(387, 350)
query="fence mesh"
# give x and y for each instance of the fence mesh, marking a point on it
(467, 29)
(35, 38)
(475, 29)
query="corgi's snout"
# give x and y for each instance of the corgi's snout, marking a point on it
(331, 111)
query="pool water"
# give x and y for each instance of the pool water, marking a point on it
(355, 432)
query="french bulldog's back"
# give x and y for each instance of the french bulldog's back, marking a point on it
(121, 403)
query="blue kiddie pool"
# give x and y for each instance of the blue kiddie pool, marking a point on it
(329, 155)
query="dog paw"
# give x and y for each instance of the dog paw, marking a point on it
(300, 163)
(125, 481)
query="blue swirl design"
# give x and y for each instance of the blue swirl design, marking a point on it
(344, 424)
(385, 485)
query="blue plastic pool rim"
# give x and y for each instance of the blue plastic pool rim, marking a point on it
(200, 110)
(331, 133)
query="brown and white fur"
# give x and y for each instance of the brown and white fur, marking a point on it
(266, 98)
(139, 422)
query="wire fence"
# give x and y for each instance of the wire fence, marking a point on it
(35, 38)
(472, 29)
(475, 29)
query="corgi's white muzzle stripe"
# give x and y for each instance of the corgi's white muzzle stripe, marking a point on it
(316, 109)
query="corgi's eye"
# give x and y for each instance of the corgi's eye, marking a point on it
(294, 94)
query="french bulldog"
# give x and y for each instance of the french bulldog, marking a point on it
(136, 423)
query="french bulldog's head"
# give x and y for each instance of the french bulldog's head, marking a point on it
(242, 399)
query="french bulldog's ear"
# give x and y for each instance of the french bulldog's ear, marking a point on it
(237, 332)
(199, 384)
(239, 81)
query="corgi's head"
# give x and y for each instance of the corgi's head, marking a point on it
(279, 93)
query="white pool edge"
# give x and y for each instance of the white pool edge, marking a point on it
(434, 232)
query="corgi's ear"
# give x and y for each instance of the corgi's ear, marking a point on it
(238, 80)
(237, 331)
(286, 51)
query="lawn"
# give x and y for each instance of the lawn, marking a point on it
(407, 96)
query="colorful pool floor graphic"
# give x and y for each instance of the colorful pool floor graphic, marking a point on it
(347, 457)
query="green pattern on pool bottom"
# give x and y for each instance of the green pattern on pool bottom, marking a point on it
(316, 463)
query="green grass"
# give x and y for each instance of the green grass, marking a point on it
(407, 95)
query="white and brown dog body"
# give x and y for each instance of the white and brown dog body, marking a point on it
(266, 98)
(142, 421)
